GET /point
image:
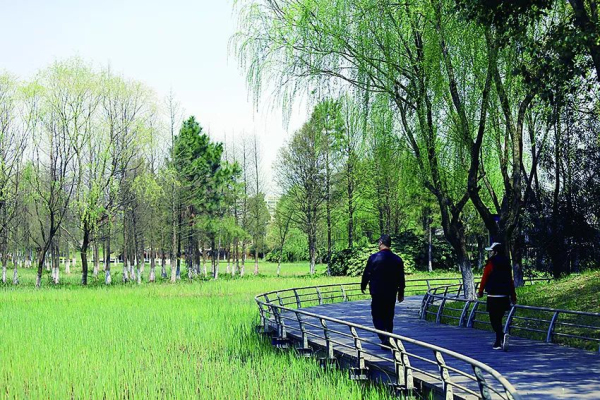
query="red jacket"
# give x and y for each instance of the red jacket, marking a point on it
(507, 287)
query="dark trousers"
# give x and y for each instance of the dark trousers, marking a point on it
(496, 307)
(382, 310)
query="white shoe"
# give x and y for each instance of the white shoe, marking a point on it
(505, 342)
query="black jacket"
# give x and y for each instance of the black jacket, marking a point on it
(385, 275)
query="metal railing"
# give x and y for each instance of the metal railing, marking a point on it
(450, 372)
(444, 304)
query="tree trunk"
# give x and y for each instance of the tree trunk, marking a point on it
(204, 251)
(4, 266)
(152, 276)
(312, 251)
(163, 267)
(236, 257)
(15, 273)
(68, 261)
(467, 276)
(173, 257)
(83, 251)
(243, 268)
(55, 264)
(429, 250)
(178, 259)
(215, 259)
(40, 269)
(256, 258)
(229, 258)
(107, 276)
(139, 266)
(279, 262)
(96, 259)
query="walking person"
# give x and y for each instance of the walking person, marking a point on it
(384, 274)
(498, 282)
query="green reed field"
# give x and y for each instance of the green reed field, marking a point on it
(187, 340)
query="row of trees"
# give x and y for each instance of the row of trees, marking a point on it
(491, 108)
(95, 164)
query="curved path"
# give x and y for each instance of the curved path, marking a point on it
(538, 370)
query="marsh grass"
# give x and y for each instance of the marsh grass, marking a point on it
(172, 341)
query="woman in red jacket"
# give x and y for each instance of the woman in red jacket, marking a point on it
(498, 283)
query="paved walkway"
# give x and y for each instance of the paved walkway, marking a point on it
(538, 370)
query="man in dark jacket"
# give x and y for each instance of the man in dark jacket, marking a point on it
(384, 274)
(498, 283)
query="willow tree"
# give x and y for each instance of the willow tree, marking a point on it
(393, 51)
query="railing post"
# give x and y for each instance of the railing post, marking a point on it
(472, 314)
(404, 375)
(444, 376)
(438, 317)
(509, 319)
(319, 296)
(344, 293)
(302, 330)
(298, 302)
(280, 323)
(279, 299)
(263, 318)
(358, 346)
(427, 300)
(483, 389)
(463, 316)
(328, 343)
(551, 327)
(460, 287)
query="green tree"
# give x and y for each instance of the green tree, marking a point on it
(204, 177)
(301, 172)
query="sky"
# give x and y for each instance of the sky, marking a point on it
(179, 45)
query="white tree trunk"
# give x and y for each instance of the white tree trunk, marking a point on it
(126, 272)
(243, 268)
(430, 252)
(107, 278)
(68, 267)
(229, 260)
(57, 274)
(96, 265)
(15, 273)
(132, 270)
(152, 276)
(163, 267)
(4, 267)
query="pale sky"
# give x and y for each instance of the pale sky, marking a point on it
(179, 44)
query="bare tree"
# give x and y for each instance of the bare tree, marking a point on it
(13, 139)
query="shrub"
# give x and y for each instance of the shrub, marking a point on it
(412, 249)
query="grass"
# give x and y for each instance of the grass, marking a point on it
(188, 340)
(575, 292)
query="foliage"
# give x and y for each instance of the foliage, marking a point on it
(410, 247)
